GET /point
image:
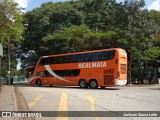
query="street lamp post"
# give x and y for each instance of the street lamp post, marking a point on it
(1, 55)
(9, 63)
(9, 59)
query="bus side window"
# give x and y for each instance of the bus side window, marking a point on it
(44, 61)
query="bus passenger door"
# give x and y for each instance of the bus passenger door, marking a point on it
(43, 77)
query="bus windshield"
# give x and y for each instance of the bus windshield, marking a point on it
(29, 71)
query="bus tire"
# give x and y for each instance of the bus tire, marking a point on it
(38, 82)
(93, 84)
(83, 83)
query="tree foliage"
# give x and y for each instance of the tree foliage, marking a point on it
(11, 26)
(82, 25)
(11, 30)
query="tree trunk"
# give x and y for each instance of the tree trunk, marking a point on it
(0, 75)
(130, 63)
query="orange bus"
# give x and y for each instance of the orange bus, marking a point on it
(93, 69)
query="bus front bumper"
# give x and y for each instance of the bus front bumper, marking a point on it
(120, 82)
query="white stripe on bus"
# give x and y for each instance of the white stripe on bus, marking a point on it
(54, 74)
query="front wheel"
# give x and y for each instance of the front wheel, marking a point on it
(93, 84)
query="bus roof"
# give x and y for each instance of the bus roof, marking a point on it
(81, 52)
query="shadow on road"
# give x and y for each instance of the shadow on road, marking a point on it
(66, 87)
(154, 88)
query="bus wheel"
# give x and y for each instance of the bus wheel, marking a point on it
(83, 84)
(93, 84)
(38, 82)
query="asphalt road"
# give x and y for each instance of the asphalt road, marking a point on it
(130, 98)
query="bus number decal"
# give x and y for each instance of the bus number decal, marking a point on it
(92, 65)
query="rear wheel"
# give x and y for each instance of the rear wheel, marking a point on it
(83, 84)
(38, 82)
(93, 84)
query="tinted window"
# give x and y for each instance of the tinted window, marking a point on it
(44, 61)
(123, 68)
(62, 73)
(30, 72)
(43, 73)
(87, 57)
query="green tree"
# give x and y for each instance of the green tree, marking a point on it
(44, 21)
(48, 18)
(100, 14)
(11, 30)
(11, 26)
(95, 24)
(138, 30)
(72, 39)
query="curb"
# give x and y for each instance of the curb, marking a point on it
(14, 100)
(140, 85)
(21, 103)
(15, 103)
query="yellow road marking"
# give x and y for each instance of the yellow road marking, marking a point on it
(34, 102)
(92, 102)
(63, 106)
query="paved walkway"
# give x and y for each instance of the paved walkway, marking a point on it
(7, 100)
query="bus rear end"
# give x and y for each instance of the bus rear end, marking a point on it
(121, 77)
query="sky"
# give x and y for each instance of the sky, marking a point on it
(32, 4)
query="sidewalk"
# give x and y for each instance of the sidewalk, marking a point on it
(7, 98)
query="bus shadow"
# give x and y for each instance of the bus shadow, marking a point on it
(155, 88)
(66, 87)
(76, 87)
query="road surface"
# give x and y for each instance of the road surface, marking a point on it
(126, 98)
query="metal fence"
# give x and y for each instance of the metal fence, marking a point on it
(16, 80)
